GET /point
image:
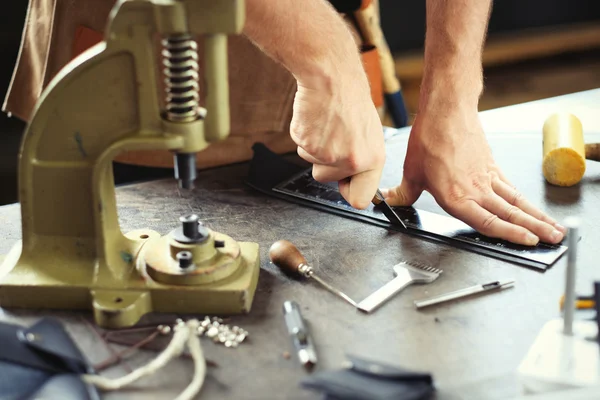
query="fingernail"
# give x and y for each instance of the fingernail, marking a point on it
(531, 239)
(560, 227)
(556, 236)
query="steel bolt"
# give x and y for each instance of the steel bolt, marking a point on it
(185, 259)
(190, 226)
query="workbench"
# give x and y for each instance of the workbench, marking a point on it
(472, 346)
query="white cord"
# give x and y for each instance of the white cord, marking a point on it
(199, 366)
(185, 333)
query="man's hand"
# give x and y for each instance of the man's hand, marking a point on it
(448, 156)
(338, 130)
(335, 123)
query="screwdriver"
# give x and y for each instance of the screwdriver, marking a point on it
(288, 258)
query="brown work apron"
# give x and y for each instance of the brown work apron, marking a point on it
(261, 90)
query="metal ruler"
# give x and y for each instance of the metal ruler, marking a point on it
(305, 190)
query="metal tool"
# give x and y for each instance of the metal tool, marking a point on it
(379, 200)
(300, 187)
(406, 274)
(597, 307)
(296, 326)
(73, 254)
(488, 287)
(289, 259)
(572, 224)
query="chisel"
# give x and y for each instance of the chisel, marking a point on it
(379, 201)
(349, 6)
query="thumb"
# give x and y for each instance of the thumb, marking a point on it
(403, 195)
(360, 189)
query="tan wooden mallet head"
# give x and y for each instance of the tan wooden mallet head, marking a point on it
(564, 149)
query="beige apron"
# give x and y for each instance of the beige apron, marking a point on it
(261, 90)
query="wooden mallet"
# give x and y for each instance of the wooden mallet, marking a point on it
(565, 151)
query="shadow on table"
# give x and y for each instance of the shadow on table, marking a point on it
(563, 195)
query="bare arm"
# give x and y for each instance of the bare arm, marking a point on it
(456, 31)
(448, 154)
(308, 37)
(335, 123)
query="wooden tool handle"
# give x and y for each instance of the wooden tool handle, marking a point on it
(592, 151)
(367, 20)
(286, 256)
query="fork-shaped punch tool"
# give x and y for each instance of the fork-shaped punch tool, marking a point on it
(406, 274)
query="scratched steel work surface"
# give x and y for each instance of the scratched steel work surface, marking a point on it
(472, 346)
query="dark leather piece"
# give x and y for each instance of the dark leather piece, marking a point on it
(370, 380)
(268, 171)
(18, 382)
(42, 362)
(15, 350)
(52, 340)
(65, 387)
(370, 367)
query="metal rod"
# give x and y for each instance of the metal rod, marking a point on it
(457, 294)
(597, 304)
(333, 290)
(572, 224)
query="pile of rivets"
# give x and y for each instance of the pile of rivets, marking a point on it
(222, 333)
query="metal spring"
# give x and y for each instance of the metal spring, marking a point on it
(180, 58)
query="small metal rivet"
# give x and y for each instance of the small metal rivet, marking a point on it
(164, 329)
(212, 332)
(240, 338)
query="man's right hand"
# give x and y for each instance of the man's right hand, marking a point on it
(335, 123)
(338, 130)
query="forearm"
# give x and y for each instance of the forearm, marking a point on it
(456, 31)
(307, 37)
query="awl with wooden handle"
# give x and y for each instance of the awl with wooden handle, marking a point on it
(288, 258)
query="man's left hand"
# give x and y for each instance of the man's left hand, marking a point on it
(448, 156)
